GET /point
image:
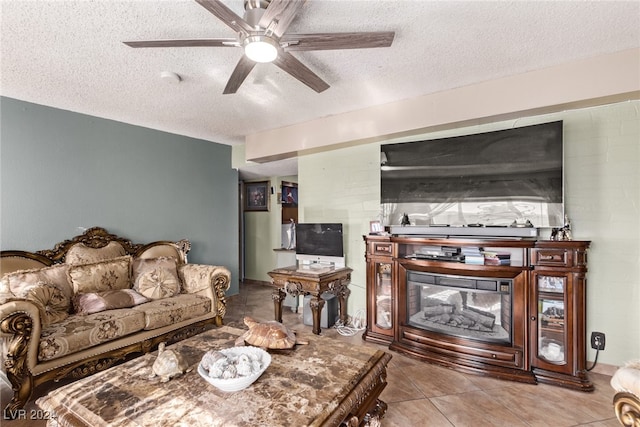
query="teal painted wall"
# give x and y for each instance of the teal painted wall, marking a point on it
(62, 172)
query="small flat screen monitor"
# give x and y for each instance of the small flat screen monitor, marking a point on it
(321, 240)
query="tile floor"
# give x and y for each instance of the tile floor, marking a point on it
(422, 394)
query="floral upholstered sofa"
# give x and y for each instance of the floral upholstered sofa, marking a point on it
(95, 299)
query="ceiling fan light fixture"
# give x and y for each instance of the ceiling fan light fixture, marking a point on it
(260, 48)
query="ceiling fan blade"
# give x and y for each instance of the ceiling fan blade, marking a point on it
(282, 11)
(297, 69)
(242, 70)
(184, 43)
(226, 15)
(329, 41)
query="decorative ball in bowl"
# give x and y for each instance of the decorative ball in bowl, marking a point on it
(235, 368)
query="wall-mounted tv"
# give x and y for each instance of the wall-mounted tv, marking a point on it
(320, 242)
(492, 178)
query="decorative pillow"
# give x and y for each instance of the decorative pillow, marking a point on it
(19, 283)
(156, 278)
(108, 300)
(101, 276)
(52, 303)
(83, 254)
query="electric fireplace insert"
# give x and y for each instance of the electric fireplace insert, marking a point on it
(477, 308)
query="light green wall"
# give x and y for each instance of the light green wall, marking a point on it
(343, 186)
(602, 196)
(61, 172)
(263, 234)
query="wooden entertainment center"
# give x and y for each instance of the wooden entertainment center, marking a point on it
(530, 329)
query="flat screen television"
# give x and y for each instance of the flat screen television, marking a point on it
(320, 243)
(492, 179)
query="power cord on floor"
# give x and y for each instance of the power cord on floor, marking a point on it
(595, 362)
(355, 324)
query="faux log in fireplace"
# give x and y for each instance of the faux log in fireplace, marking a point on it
(522, 319)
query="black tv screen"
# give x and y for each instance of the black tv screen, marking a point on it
(321, 239)
(491, 178)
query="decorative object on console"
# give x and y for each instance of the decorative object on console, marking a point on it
(291, 234)
(526, 224)
(405, 220)
(375, 227)
(168, 364)
(564, 232)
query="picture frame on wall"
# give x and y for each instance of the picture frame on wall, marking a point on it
(289, 195)
(256, 196)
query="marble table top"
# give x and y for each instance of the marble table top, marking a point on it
(312, 385)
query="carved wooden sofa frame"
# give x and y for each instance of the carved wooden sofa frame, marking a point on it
(627, 408)
(17, 328)
(626, 402)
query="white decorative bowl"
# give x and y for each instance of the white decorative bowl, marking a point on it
(240, 382)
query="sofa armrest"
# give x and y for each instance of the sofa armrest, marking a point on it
(209, 280)
(20, 330)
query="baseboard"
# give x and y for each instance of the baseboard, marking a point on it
(603, 368)
(256, 282)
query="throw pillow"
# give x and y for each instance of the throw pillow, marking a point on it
(52, 303)
(19, 283)
(101, 276)
(83, 254)
(156, 278)
(95, 302)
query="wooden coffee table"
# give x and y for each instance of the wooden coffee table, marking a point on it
(326, 383)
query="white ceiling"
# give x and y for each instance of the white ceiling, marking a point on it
(69, 55)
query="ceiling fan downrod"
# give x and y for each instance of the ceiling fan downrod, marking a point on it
(253, 11)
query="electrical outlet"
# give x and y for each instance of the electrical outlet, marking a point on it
(597, 340)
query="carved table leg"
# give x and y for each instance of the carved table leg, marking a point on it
(373, 417)
(343, 294)
(278, 297)
(316, 303)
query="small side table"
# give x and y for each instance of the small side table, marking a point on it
(293, 281)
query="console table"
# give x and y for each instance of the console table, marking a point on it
(295, 281)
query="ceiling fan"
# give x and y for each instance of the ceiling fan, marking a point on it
(262, 35)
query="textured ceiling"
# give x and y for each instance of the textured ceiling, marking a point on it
(69, 55)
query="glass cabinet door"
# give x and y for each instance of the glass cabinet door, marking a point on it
(551, 318)
(383, 319)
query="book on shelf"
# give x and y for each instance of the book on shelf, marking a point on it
(474, 259)
(497, 258)
(471, 250)
(496, 261)
(499, 255)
